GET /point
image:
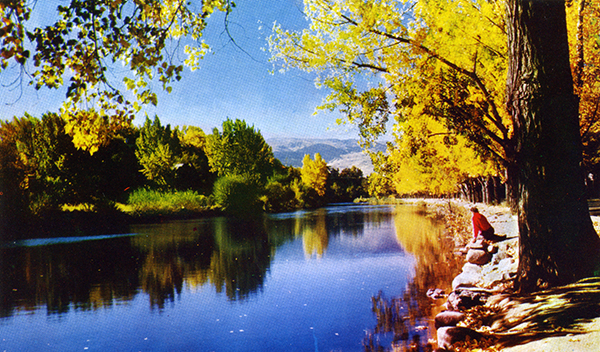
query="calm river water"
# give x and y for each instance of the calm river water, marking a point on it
(341, 278)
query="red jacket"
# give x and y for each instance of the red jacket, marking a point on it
(480, 223)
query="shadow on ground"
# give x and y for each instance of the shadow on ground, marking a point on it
(559, 311)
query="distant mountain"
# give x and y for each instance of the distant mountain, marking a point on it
(338, 153)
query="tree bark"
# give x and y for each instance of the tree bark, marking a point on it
(558, 244)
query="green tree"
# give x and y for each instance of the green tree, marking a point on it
(46, 157)
(346, 185)
(53, 172)
(240, 150)
(158, 152)
(282, 192)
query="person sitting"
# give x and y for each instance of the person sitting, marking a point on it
(481, 226)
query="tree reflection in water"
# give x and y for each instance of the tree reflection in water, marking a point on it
(242, 260)
(232, 257)
(409, 318)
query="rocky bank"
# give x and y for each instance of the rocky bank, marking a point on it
(483, 313)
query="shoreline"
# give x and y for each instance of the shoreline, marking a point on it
(482, 311)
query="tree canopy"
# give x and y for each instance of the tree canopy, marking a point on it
(158, 151)
(314, 173)
(239, 149)
(88, 39)
(435, 67)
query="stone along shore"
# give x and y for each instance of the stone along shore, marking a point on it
(482, 312)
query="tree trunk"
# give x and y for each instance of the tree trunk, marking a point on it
(558, 244)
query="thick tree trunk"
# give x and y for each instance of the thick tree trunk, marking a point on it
(558, 243)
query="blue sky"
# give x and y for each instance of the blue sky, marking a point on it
(230, 83)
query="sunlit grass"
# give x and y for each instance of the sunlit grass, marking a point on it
(380, 201)
(153, 202)
(78, 207)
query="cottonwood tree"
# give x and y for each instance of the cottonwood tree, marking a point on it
(314, 173)
(88, 39)
(446, 61)
(558, 243)
(584, 39)
(436, 94)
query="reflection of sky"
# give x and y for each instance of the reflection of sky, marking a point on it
(35, 242)
(328, 300)
(305, 304)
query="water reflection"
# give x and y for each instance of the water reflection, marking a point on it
(231, 256)
(408, 318)
(81, 276)
(356, 250)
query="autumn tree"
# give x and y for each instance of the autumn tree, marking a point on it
(89, 38)
(558, 244)
(433, 92)
(430, 160)
(583, 26)
(445, 62)
(314, 173)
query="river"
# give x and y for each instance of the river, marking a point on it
(340, 278)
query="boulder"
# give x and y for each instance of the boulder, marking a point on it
(472, 269)
(503, 271)
(476, 245)
(448, 318)
(465, 298)
(437, 293)
(478, 256)
(466, 279)
(448, 335)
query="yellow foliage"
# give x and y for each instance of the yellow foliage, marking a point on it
(431, 160)
(314, 173)
(90, 129)
(583, 27)
(441, 64)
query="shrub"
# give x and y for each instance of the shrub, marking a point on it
(279, 197)
(237, 195)
(152, 202)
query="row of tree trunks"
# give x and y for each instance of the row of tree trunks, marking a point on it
(489, 190)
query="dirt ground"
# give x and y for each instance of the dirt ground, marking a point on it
(587, 341)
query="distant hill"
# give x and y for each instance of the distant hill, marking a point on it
(338, 153)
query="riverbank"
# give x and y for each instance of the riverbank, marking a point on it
(482, 311)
